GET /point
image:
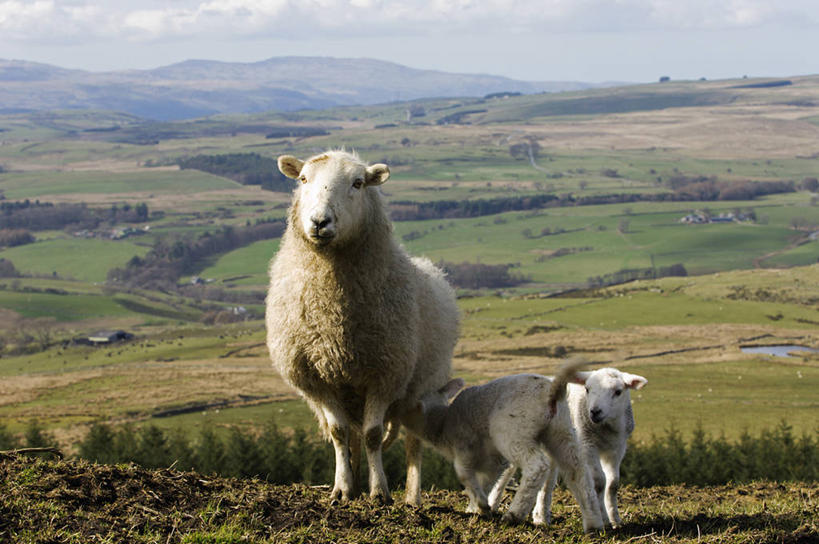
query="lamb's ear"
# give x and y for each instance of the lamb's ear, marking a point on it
(633, 381)
(452, 388)
(290, 166)
(377, 174)
(580, 377)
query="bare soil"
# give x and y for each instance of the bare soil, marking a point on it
(46, 501)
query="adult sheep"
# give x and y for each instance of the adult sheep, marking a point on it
(358, 327)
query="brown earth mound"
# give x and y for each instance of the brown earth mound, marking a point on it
(44, 501)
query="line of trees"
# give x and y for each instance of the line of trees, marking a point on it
(468, 275)
(172, 257)
(37, 215)
(705, 189)
(285, 457)
(631, 274)
(15, 237)
(245, 168)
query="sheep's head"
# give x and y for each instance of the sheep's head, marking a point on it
(333, 195)
(607, 392)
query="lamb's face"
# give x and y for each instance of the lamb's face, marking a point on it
(332, 200)
(607, 393)
(415, 418)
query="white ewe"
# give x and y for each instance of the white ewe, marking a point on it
(359, 328)
(601, 413)
(515, 419)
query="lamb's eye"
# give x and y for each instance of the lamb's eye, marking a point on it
(618, 392)
(358, 183)
(303, 179)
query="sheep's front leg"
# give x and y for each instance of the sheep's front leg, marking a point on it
(344, 486)
(374, 410)
(414, 456)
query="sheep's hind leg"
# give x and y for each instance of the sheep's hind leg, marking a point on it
(344, 486)
(374, 411)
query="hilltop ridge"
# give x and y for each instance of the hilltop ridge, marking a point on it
(196, 88)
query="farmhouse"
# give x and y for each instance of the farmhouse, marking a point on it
(109, 337)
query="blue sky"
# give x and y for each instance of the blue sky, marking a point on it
(546, 40)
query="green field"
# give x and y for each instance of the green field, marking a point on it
(35, 184)
(683, 333)
(73, 258)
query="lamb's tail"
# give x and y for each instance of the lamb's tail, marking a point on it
(565, 374)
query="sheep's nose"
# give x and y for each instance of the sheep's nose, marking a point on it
(596, 414)
(320, 222)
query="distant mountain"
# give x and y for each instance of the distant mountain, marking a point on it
(196, 88)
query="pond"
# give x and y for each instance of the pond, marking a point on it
(777, 351)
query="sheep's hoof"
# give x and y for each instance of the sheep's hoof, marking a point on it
(338, 496)
(380, 498)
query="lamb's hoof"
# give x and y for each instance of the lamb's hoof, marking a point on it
(595, 530)
(511, 519)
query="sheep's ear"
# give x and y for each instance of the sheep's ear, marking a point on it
(633, 381)
(290, 166)
(377, 174)
(580, 378)
(452, 387)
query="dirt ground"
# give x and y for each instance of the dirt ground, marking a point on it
(50, 501)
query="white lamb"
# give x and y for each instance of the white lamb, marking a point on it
(515, 419)
(359, 328)
(600, 406)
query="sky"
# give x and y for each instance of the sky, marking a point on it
(535, 40)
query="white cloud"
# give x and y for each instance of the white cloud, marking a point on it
(50, 20)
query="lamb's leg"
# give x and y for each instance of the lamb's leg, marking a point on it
(542, 514)
(344, 485)
(565, 451)
(534, 466)
(477, 496)
(414, 455)
(611, 467)
(374, 410)
(496, 495)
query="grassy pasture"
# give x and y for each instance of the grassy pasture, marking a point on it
(653, 234)
(683, 334)
(85, 259)
(37, 184)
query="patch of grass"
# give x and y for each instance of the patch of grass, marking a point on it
(78, 258)
(38, 184)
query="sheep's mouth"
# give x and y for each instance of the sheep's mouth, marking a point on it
(322, 239)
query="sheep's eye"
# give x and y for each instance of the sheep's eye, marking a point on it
(618, 392)
(358, 183)
(303, 179)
